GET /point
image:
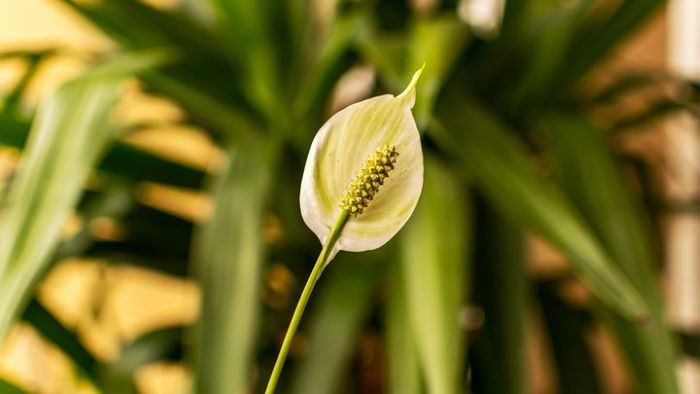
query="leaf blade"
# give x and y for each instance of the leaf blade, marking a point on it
(63, 146)
(434, 247)
(229, 264)
(591, 178)
(502, 171)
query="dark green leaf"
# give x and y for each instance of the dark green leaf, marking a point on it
(567, 328)
(690, 343)
(66, 340)
(624, 84)
(594, 41)
(653, 112)
(502, 292)
(503, 172)
(117, 377)
(9, 388)
(591, 179)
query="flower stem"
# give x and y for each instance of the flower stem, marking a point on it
(320, 264)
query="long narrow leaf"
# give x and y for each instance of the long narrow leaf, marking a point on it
(590, 177)
(196, 80)
(117, 377)
(122, 160)
(66, 340)
(434, 248)
(566, 327)
(597, 39)
(503, 172)
(403, 375)
(502, 292)
(250, 30)
(69, 135)
(229, 264)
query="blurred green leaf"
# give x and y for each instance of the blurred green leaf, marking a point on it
(69, 135)
(436, 42)
(202, 81)
(27, 53)
(503, 172)
(624, 84)
(403, 374)
(545, 54)
(654, 111)
(52, 330)
(139, 26)
(499, 364)
(11, 102)
(115, 202)
(434, 249)
(597, 38)
(690, 343)
(567, 328)
(13, 131)
(591, 178)
(253, 31)
(321, 77)
(216, 116)
(9, 388)
(338, 312)
(117, 377)
(122, 160)
(386, 51)
(229, 259)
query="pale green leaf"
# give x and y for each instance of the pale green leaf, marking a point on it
(434, 248)
(71, 132)
(403, 374)
(229, 260)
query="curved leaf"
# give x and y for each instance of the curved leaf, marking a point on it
(503, 172)
(70, 133)
(591, 179)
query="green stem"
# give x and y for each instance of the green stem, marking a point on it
(304, 299)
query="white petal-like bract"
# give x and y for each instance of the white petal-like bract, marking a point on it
(341, 148)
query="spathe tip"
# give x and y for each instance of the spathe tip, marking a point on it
(412, 85)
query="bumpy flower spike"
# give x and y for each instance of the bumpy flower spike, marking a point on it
(369, 179)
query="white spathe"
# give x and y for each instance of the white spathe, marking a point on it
(340, 149)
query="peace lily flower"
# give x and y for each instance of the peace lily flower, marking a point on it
(361, 183)
(366, 161)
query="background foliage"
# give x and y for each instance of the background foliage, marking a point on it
(511, 150)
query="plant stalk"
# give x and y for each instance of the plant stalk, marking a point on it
(320, 264)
